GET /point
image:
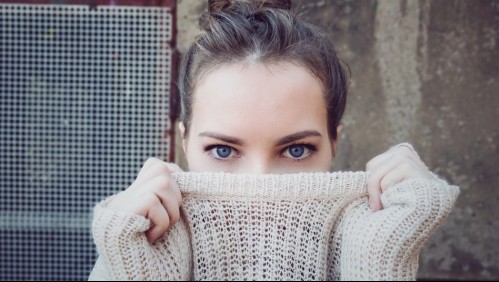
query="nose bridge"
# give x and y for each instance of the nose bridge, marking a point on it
(259, 167)
(260, 164)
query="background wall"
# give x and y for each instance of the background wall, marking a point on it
(426, 72)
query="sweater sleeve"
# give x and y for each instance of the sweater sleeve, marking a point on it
(125, 253)
(385, 245)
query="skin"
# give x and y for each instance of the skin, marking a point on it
(242, 107)
(255, 118)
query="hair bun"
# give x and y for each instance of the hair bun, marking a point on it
(216, 6)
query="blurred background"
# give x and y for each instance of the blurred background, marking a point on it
(87, 94)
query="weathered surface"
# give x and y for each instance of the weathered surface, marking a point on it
(426, 72)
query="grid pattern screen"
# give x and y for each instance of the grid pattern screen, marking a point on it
(85, 100)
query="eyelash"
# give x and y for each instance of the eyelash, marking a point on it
(311, 147)
(208, 149)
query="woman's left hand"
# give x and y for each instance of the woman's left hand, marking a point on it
(399, 163)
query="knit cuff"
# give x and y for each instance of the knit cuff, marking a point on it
(116, 235)
(126, 253)
(385, 245)
(109, 224)
(421, 192)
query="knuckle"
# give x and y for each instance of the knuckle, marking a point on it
(369, 165)
(173, 167)
(402, 158)
(158, 162)
(152, 199)
(405, 149)
(163, 170)
(150, 160)
(407, 166)
(164, 181)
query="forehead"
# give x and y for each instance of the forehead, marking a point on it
(258, 97)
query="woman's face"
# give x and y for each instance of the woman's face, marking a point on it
(255, 118)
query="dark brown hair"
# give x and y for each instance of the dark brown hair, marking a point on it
(267, 32)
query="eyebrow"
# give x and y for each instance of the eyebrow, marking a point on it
(284, 140)
(225, 138)
(297, 136)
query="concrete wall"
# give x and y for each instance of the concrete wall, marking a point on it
(426, 72)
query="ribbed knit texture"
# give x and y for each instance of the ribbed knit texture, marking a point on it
(309, 226)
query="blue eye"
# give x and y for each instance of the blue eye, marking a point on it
(297, 151)
(222, 152)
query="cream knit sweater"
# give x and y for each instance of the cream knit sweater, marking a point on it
(309, 226)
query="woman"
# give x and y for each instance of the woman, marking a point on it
(262, 92)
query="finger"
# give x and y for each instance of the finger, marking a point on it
(142, 176)
(173, 167)
(408, 150)
(147, 164)
(160, 222)
(398, 153)
(376, 161)
(402, 172)
(170, 203)
(393, 177)
(404, 144)
(374, 183)
(406, 170)
(166, 190)
(382, 158)
(157, 169)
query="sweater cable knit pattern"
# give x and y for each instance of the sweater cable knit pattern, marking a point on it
(307, 226)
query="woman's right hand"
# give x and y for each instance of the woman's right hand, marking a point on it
(154, 195)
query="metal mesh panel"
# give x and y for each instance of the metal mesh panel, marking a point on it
(84, 101)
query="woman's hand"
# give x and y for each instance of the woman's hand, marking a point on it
(399, 163)
(154, 195)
